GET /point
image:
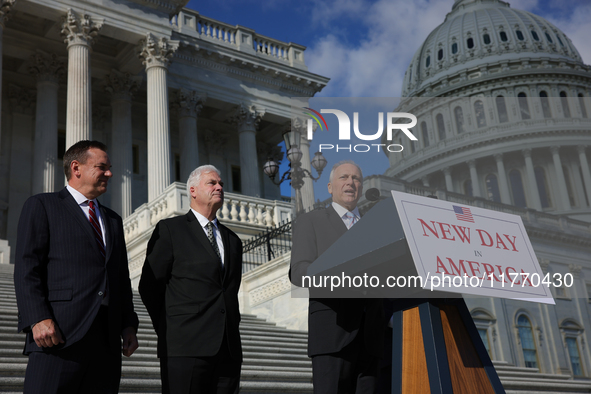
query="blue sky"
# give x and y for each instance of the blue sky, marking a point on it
(342, 35)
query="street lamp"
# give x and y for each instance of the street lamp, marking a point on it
(296, 174)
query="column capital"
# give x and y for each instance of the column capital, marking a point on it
(581, 148)
(555, 149)
(79, 31)
(246, 117)
(526, 152)
(47, 67)
(156, 52)
(121, 85)
(575, 270)
(471, 163)
(498, 157)
(188, 103)
(447, 170)
(5, 6)
(21, 99)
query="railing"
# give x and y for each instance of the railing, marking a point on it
(238, 37)
(266, 246)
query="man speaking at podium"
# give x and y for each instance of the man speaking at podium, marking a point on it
(345, 335)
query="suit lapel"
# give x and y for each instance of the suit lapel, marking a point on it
(336, 221)
(197, 230)
(109, 233)
(76, 212)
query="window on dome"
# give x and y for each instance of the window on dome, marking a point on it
(428, 61)
(517, 189)
(564, 102)
(470, 43)
(582, 105)
(569, 186)
(504, 37)
(459, 119)
(523, 106)
(575, 356)
(480, 115)
(559, 40)
(440, 54)
(468, 188)
(502, 109)
(440, 127)
(581, 177)
(543, 189)
(425, 133)
(548, 37)
(528, 345)
(519, 35)
(534, 34)
(454, 48)
(492, 188)
(486, 39)
(545, 104)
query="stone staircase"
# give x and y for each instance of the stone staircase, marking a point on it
(275, 359)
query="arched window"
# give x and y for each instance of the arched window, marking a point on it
(574, 355)
(440, 127)
(543, 189)
(468, 188)
(486, 39)
(517, 189)
(545, 104)
(454, 48)
(503, 36)
(548, 37)
(428, 61)
(523, 106)
(569, 186)
(459, 115)
(492, 188)
(559, 40)
(535, 36)
(519, 35)
(582, 105)
(425, 133)
(564, 102)
(528, 344)
(480, 115)
(470, 43)
(502, 109)
(440, 54)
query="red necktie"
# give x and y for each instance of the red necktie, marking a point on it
(98, 234)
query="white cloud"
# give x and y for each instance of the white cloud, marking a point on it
(392, 31)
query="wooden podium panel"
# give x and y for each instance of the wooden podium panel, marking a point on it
(415, 376)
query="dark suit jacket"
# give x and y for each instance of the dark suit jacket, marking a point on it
(332, 322)
(59, 270)
(190, 302)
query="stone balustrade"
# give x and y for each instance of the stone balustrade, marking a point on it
(237, 37)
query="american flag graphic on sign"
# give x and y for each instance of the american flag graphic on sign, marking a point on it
(463, 214)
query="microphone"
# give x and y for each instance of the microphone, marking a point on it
(372, 194)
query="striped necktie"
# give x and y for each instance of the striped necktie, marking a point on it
(350, 218)
(98, 234)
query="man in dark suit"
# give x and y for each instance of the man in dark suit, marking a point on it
(72, 282)
(344, 335)
(189, 285)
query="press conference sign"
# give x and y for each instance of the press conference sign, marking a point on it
(471, 250)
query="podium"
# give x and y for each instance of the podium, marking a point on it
(436, 347)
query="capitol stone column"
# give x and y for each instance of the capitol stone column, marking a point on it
(48, 69)
(562, 190)
(474, 178)
(155, 54)
(188, 104)
(307, 190)
(247, 118)
(121, 86)
(585, 170)
(449, 186)
(78, 34)
(5, 6)
(503, 183)
(533, 192)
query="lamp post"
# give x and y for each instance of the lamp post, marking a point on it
(296, 174)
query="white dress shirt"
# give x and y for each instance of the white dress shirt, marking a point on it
(216, 232)
(342, 211)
